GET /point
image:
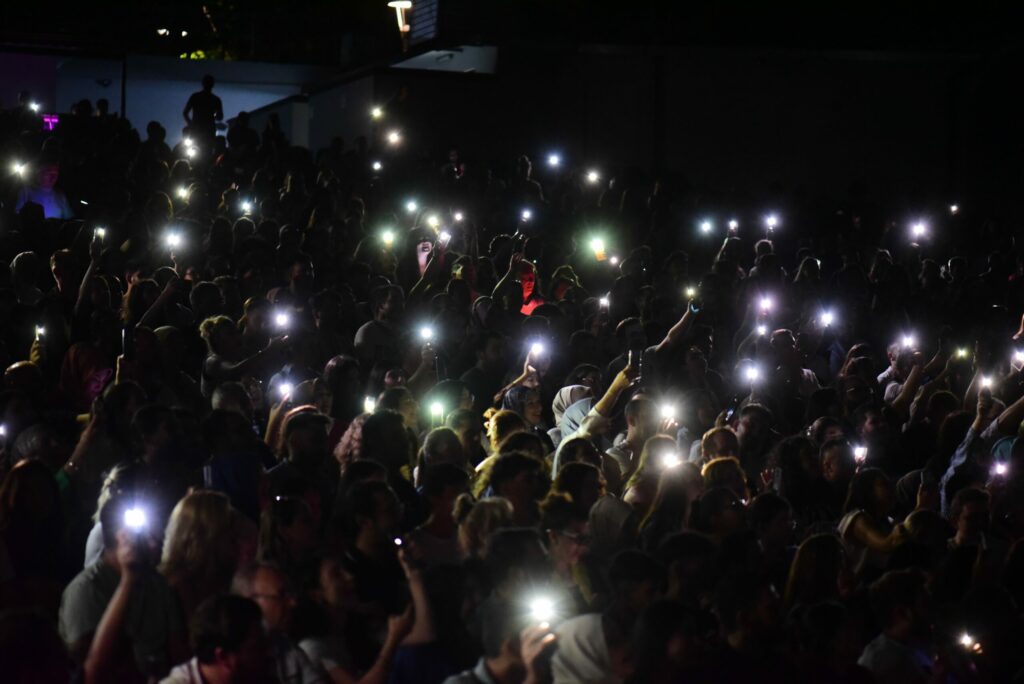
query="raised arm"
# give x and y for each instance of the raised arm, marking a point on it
(678, 331)
(95, 252)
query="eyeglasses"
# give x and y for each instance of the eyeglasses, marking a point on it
(576, 538)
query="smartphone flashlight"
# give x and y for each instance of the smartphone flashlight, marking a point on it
(135, 519)
(772, 221)
(593, 177)
(766, 304)
(954, 208)
(706, 226)
(918, 230)
(444, 237)
(613, 260)
(827, 318)
(173, 240)
(554, 160)
(691, 292)
(542, 608)
(34, 106)
(388, 238)
(458, 216)
(604, 302)
(536, 349)
(433, 221)
(394, 137)
(1018, 357)
(986, 382)
(40, 331)
(526, 214)
(753, 374)
(411, 206)
(426, 333)
(369, 405)
(285, 389)
(100, 233)
(246, 207)
(668, 412)
(1000, 469)
(762, 329)
(671, 460)
(437, 409)
(181, 192)
(281, 320)
(962, 353)
(398, 541)
(376, 166)
(376, 113)
(733, 225)
(597, 244)
(908, 341)
(860, 454)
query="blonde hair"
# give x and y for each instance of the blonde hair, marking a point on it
(478, 519)
(725, 471)
(199, 543)
(209, 328)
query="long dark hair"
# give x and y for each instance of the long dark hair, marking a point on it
(861, 496)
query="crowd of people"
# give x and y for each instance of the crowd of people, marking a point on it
(392, 412)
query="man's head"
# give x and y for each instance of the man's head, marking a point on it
(374, 512)
(969, 513)
(837, 462)
(641, 419)
(490, 350)
(268, 586)
(227, 637)
(208, 82)
(305, 438)
(387, 302)
(901, 603)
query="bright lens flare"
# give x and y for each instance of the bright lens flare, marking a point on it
(986, 382)
(542, 609)
(436, 409)
(766, 303)
(593, 177)
(772, 221)
(369, 405)
(181, 192)
(281, 320)
(860, 454)
(445, 237)
(377, 166)
(458, 216)
(1000, 469)
(34, 106)
(135, 518)
(100, 233)
(733, 225)
(908, 341)
(954, 208)
(246, 207)
(536, 349)
(1018, 356)
(433, 221)
(671, 460)
(554, 160)
(691, 292)
(962, 352)
(18, 168)
(706, 226)
(394, 137)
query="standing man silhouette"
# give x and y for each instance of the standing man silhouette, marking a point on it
(203, 110)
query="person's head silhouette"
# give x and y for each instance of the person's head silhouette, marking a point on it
(208, 82)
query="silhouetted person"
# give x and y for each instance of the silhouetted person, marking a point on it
(203, 110)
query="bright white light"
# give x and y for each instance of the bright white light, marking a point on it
(706, 226)
(691, 292)
(387, 237)
(962, 353)
(181, 192)
(163, 32)
(542, 609)
(771, 221)
(986, 382)
(1001, 469)
(34, 106)
(766, 303)
(668, 411)
(377, 166)
(762, 329)
(135, 518)
(184, 34)
(100, 233)
(394, 137)
(173, 240)
(613, 260)
(604, 302)
(597, 244)
(187, 142)
(458, 217)
(671, 460)
(908, 341)
(526, 215)
(966, 640)
(1018, 356)
(445, 237)
(827, 318)
(536, 349)
(919, 229)
(285, 389)
(733, 224)
(246, 207)
(369, 405)
(954, 208)
(860, 454)
(40, 331)
(426, 333)
(18, 168)
(554, 160)
(437, 409)
(753, 374)
(281, 320)
(593, 177)
(411, 206)
(376, 112)
(433, 221)
(191, 152)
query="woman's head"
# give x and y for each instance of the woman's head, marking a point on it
(478, 519)
(871, 491)
(200, 541)
(726, 472)
(221, 336)
(816, 571)
(502, 424)
(658, 453)
(566, 531)
(525, 402)
(401, 401)
(442, 445)
(582, 483)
